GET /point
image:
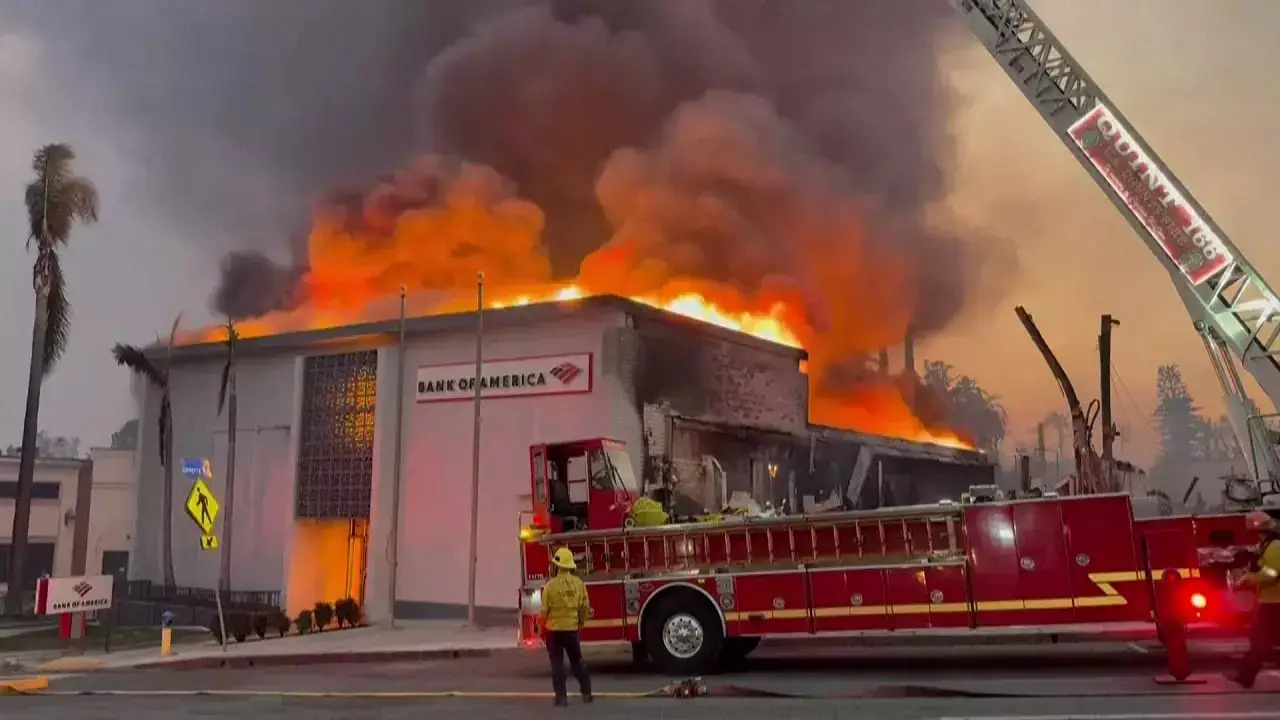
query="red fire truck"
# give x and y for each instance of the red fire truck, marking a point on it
(691, 594)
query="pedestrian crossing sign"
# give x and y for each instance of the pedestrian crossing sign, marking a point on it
(208, 542)
(202, 507)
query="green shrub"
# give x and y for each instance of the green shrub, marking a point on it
(323, 614)
(215, 628)
(347, 611)
(239, 624)
(303, 621)
(260, 624)
(281, 622)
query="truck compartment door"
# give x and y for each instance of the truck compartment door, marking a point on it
(993, 565)
(1044, 570)
(607, 619)
(769, 602)
(1106, 577)
(846, 599)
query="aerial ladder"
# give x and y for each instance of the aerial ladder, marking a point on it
(1234, 310)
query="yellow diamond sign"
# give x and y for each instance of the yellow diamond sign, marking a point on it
(202, 506)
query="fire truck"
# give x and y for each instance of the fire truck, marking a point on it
(689, 595)
(692, 594)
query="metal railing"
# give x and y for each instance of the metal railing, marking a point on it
(143, 602)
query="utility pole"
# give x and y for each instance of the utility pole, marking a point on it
(397, 468)
(1108, 427)
(1042, 460)
(475, 454)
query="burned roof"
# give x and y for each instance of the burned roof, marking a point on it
(384, 332)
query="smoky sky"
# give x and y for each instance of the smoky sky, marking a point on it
(244, 113)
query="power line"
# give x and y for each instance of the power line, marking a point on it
(1117, 378)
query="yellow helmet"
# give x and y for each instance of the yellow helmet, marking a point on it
(564, 559)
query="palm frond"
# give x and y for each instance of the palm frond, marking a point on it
(132, 357)
(58, 314)
(165, 410)
(173, 331)
(57, 198)
(222, 388)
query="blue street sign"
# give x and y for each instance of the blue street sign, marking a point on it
(196, 467)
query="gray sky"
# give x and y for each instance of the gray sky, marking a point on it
(1192, 76)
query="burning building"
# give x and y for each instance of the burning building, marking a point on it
(316, 463)
(760, 181)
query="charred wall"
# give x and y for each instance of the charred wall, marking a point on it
(702, 392)
(709, 375)
(808, 465)
(668, 366)
(896, 481)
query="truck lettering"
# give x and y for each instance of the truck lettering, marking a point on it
(1161, 208)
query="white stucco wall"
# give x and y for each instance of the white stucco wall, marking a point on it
(114, 506)
(264, 473)
(437, 460)
(51, 520)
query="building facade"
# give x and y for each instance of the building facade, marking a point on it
(317, 459)
(82, 515)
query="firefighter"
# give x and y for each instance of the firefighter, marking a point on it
(564, 610)
(1264, 579)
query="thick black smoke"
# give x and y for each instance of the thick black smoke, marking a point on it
(229, 100)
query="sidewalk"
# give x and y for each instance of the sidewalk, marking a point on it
(411, 640)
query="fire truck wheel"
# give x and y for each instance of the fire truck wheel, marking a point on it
(683, 634)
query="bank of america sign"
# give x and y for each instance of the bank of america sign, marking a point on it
(513, 377)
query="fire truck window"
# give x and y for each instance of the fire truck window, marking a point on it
(623, 473)
(601, 474)
(539, 478)
(577, 477)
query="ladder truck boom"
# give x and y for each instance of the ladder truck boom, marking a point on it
(1234, 310)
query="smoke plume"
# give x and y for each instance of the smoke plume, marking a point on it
(764, 152)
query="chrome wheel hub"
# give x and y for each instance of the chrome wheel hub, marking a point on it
(682, 636)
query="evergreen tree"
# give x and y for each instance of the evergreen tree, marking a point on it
(969, 408)
(1176, 416)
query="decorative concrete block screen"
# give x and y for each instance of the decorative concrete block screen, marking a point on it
(335, 457)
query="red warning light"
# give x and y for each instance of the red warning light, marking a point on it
(1199, 601)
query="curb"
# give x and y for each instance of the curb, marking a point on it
(69, 665)
(23, 685)
(283, 659)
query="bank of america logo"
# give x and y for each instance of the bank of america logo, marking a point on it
(82, 588)
(565, 372)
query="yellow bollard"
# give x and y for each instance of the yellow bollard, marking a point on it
(166, 641)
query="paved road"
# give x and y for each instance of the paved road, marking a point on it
(1237, 707)
(1099, 681)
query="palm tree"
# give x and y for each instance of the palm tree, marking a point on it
(56, 200)
(227, 398)
(136, 359)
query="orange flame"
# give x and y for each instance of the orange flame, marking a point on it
(877, 409)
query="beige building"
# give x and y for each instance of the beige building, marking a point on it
(82, 514)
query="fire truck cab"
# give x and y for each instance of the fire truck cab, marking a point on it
(581, 485)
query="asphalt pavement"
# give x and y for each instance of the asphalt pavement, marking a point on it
(1048, 682)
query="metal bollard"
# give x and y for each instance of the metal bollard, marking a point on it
(166, 633)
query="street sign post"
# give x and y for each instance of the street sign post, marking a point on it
(202, 507)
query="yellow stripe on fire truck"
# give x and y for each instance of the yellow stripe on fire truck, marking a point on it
(1105, 583)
